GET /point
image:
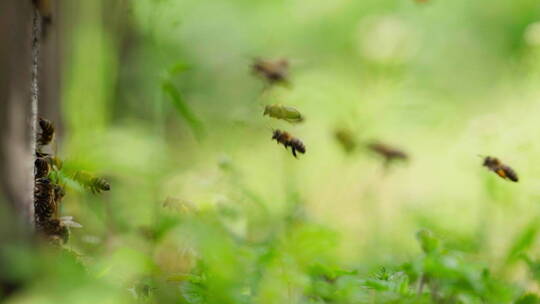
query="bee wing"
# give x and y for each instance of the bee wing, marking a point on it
(68, 221)
(73, 224)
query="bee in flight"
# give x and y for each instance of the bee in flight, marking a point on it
(502, 170)
(287, 140)
(47, 132)
(95, 184)
(273, 71)
(389, 153)
(286, 113)
(346, 139)
(99, 184)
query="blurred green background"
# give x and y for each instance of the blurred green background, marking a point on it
(159, 98)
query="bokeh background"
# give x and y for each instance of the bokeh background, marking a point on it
(158, 97)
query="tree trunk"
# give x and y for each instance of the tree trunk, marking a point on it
(16, 155)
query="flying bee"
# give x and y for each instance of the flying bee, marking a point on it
(94, 184)
(346, 139)
(273, 71)
(99, 184)
(41, 167)
(47, 132)
(389, 153)
(286, 113)
(287, 140)
(502, 170)
(179, 205)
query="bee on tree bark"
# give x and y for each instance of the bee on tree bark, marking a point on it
(45, 9)
(44, 202)
(47, 132)
(48, 194)
(57, 229)
(41, 167)
(287, 140)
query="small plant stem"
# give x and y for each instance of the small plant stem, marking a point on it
(421, 284)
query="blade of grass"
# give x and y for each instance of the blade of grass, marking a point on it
(183, 109)
(524, 241)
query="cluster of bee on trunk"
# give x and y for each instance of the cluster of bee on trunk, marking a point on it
(49, 191)
(48, 194)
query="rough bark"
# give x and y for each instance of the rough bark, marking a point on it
(16, 63)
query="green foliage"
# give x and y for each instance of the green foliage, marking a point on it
(429, 243)
(528, 299)
(523, 241)
(446, 80)
(182, 107)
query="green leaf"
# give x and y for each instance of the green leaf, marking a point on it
(533, 265)
(178, 68)
(193, 293)
(182, 108)
(528, 299)
(428, 241)
(523, 242)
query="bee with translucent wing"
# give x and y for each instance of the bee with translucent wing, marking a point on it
(502, 170)
(287, 140)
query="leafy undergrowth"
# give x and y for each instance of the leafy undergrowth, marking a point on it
(195, 255)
